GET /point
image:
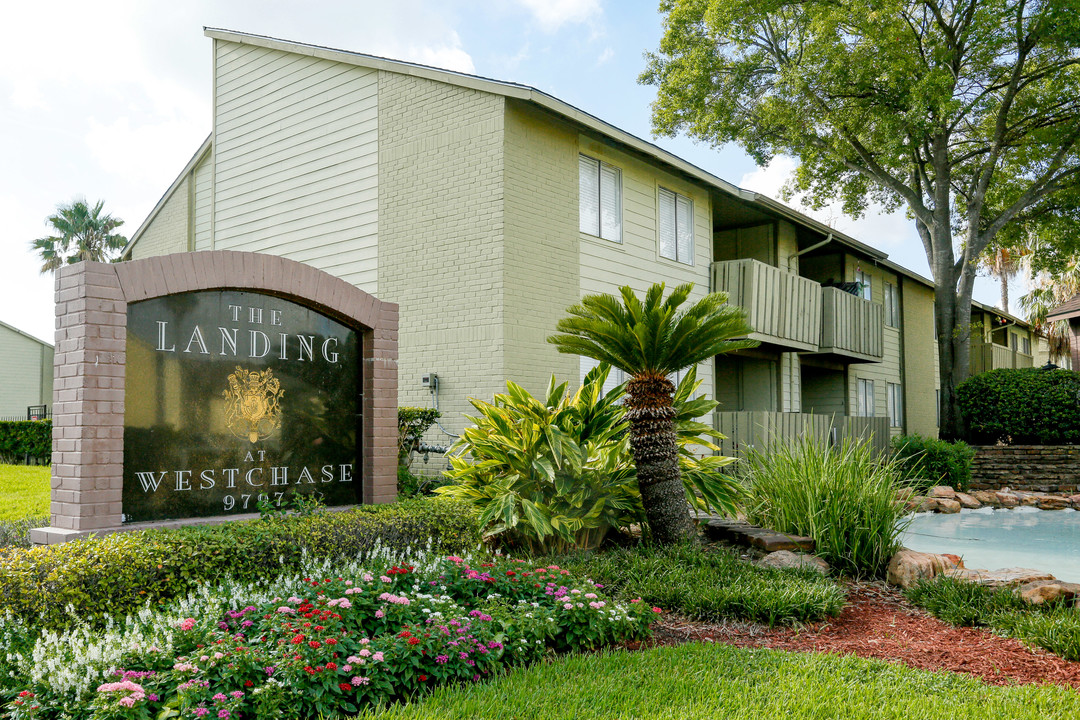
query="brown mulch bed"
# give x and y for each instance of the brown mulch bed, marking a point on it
(878, 622)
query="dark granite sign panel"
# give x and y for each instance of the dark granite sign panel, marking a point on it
(235, 397)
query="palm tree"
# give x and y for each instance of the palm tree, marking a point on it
(649, 341)
(82, 233)
(1003, 263)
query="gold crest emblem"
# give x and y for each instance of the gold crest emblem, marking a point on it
(252, 404)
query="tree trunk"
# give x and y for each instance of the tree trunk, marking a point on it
(953, 322)
(1004, 291)
(656, 457)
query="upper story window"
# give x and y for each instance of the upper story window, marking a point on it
(601, 199)
(676, 227)
(865, 288)
(892, 306)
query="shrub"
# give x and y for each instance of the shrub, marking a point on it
(109, 576)
(412, 423)
(842, 497)
(709, 584)
(558, 473)
(19, 438)
(926, 462)
(16, 533)
(1025, 406)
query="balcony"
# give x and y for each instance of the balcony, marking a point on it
(986, 356)
(851, 327)
(783, 308)
(763, 430)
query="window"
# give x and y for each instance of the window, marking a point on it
(864, 285)
(892, 306)
(600, 189)
(864, 398)
(676, 227)
(1025, 345)
(895, 402)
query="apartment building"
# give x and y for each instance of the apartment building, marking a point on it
(485, 208)
(27, 366)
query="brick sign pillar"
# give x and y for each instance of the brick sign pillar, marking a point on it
(91, 376)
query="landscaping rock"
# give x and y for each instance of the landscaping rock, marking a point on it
(942, 491)
(1075, 500)
(907, 567)
(788, 559)
(987, 497)
(905, 494)
(724, 529)
(1008, 577)
(968, 501)
(770, 541)
(1044, 591)
(1053, 502)
(947, 506)
(1028, 499)
(1007, 499)
(927, 504)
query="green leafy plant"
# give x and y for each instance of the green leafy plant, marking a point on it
(412, 423)
(650, 338)
(558, 474)
(842, 497)
(552, 474)
(1024, 406)
(925, 462)
(297, 506)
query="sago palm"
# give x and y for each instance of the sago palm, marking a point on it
(82, 233)
(649, 340)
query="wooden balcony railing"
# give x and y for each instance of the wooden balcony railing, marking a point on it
(783, 308)
(851, 326)
(986, 356)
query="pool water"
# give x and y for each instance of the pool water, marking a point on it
(1047, 540)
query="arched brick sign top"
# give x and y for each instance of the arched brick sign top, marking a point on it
(91, 344)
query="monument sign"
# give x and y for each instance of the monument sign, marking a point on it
(205, 386)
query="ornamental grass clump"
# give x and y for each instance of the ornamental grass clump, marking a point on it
(843, 497)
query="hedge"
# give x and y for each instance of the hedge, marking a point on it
(926, 462)
(25, 437)
(117, 574)
(1027, 406)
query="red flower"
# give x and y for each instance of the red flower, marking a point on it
(309, 670)
(315, 644)
(345, 687)
(248, 683)
(414, 641)
(298, 639)
(331, 641)
(331, 666)
(423, 678)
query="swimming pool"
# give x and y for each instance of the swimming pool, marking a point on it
(1047, 540)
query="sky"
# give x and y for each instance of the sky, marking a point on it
(109, 100)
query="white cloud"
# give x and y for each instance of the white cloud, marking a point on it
(605, 56)
(553, 14)
(445, 52)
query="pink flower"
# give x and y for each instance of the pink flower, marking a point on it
(358, 681)
(590, 596)
(187, 624)
(346, 668)
(379, 614)
(454, 558)
(236, 694)
(568, 605)
(286, 609)
(128, 701)
(377, 657)
(354, 590)
(224, 713)
(220, 697)
(596, 605)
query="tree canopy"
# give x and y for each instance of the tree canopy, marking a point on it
(82, 233)
(966, 112)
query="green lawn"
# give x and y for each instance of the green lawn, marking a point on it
(24, 491)
(718, 681)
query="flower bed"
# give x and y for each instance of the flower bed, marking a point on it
(330, 642)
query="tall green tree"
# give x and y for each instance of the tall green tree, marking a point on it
(649, 340)
(966, 112)
(81, 232)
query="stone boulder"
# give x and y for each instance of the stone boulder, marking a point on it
(1007, 577)
(788, 559)
(1029, 499)
(1075, 500)
(905, 493)
(946, 506)
(1007, 499)
(1053, 502)
(942, 491)
(927, 504)
(987, 497)
(1039, 592)
(908, 567)
(967, 501)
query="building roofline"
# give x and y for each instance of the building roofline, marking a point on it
(26, 334)
(195, 160)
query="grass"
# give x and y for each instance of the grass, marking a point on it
(718, 681)
(1054, 626)
(25, 491)
(844, 498)
(709, 584)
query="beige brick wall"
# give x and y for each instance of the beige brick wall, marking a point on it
(920, 358)
(168, 231)
(440, 238)
(541, 260)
